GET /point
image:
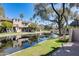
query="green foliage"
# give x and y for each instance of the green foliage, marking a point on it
(33, 26)
(1, 28)
(42, 11)
(21, 15)
(47, 27)
(64, 39)
(60, 15)
(7, 25)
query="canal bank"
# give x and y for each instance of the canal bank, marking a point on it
(41, 48)
(22, 33)
(22, 50)
(11, 44)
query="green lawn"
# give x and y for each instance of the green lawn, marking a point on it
(40, 49)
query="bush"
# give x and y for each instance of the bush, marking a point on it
(1, 29)
(63, 39)
(7, 24)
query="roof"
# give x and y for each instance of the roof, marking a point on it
(75, 23)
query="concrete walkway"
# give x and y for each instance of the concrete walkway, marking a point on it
(22, 33)
(69, 49)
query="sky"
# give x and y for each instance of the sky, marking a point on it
(13, 10)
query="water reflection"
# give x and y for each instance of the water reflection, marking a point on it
(12, 44)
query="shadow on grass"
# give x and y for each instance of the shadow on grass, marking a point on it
(50, 53)
(62, 41)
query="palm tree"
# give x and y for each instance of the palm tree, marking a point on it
(21, 16)
(31, 19)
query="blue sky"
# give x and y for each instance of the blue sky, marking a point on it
(12, 10)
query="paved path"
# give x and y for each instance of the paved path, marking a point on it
(69, 49)
(22, 33)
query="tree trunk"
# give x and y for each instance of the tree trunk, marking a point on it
(60, 17)
(59, 26)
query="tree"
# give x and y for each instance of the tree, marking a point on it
(44, 11)
(1, 29)
(31, 19)
(7, 25)
(47, 27)
(33, 26)
(75, 15)
(60, 15)
(21, 16)
(67, 16)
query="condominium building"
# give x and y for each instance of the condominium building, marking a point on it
(18, 25)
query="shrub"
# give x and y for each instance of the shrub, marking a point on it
(63, 39)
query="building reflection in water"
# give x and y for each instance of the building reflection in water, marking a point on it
(18, 41)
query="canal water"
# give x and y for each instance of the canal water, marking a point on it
(11, 44)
